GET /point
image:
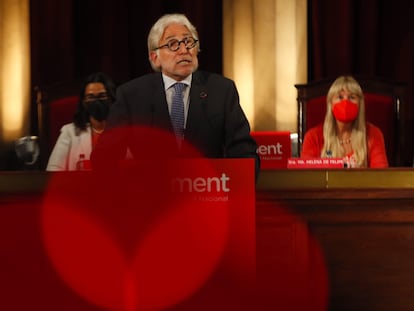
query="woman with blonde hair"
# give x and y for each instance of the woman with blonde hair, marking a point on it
(345, 132)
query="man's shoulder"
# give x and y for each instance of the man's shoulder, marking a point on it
(205, 77)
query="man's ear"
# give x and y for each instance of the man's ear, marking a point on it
(154, 58)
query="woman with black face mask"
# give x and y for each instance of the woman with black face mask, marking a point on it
(77, 139)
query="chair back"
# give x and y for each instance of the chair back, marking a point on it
(56, 105)
(384, 107)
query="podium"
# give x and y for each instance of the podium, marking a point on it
(358, 223)
(173, 235)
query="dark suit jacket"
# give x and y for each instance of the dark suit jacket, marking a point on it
(216, 124)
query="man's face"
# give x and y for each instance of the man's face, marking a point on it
(180, 63)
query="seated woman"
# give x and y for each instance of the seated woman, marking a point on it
(77, 139)
(345, 133)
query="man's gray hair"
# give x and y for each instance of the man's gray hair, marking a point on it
(157, 30)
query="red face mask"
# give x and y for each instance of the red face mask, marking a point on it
(345, 111)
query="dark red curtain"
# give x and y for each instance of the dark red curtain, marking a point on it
(72, 38)
(371, 38)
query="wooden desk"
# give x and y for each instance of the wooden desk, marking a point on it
(363, 221)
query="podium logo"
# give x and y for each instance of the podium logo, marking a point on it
(206, 189)
(201, 184)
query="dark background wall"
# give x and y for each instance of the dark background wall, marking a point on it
(70, 39)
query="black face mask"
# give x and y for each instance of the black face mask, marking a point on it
(98, 109)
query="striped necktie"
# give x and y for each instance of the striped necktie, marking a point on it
(177, 110)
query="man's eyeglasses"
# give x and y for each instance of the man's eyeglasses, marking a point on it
(174, 44)
(92, 97)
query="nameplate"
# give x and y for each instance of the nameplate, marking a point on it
(327, 163)
(274, 148)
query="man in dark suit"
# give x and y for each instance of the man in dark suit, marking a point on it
(209, 118)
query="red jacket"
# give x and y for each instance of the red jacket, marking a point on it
(377, 156)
